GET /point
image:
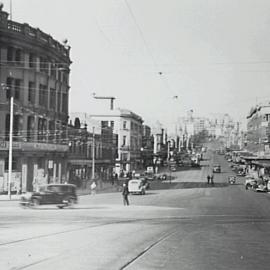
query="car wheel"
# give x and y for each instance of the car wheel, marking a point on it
(71, 202)
(35, 202)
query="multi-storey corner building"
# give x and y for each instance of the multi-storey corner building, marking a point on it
(129, 128)
(34, 68)
(257, 138)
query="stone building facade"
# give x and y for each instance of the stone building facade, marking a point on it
(34, 68)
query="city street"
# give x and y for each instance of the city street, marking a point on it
(172, 95)
(204, 227)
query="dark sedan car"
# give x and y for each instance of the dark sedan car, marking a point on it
(59, 194)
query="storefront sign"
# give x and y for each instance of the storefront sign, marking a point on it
(4, 145)
(44, 147)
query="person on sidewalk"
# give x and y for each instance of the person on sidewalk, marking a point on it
(93, 188)
(125, 193)
(212, 179)
(208, 179)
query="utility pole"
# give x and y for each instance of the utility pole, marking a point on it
(109, 98)
(10, 145)
(93, 155)
(168, 160)
(10, 94)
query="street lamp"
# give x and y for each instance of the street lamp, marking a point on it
(9, 90)
(110, 98)
(93, 155)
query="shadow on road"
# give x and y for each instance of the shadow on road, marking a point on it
(185, 185)
(65, 208)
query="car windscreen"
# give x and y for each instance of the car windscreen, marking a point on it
(58, 188)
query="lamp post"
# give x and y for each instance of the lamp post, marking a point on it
(9, 90)
(93, 155)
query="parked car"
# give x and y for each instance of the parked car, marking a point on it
(62, 195)
(149, 175)
(216, 168)
(231, 179)
(241, 173)
(195, 165)
(137, 186)
(261, 186)
(162, 176)
(251, 183)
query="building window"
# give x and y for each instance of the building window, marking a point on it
(53, 69)
(65, 103)
(124, 140)
(30, 128)
(112, 124)
(51, 131)
(125, 125)
(18, 56)
(10, 54)
(52, 98)
(43, 95)
(58, 102)
(104, 124)
(31, 92)
(9, 83)
(17, 89)
(17, 127)
(14, 164)
(32, 60)
(43, 65)
(41, 129)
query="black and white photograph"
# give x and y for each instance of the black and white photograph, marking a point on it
(134, 134)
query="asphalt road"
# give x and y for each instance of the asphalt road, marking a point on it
(189, 225)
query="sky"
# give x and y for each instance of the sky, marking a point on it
(214, 55)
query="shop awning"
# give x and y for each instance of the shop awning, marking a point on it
(87, 162)
(262, 163)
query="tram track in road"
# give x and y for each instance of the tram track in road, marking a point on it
(118, 221)
(148, 248)
(186, 219)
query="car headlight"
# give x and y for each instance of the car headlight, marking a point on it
(27, 196)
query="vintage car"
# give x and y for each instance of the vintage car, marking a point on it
(241, 173)
(261, 186)
(231, 179)
(62, 195)
(138, 186)
(250, 183)
(162, 176)
(216, 168)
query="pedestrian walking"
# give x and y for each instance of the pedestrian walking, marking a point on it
(93, 188)
(212, 179)
(208, 179)
(125, 193)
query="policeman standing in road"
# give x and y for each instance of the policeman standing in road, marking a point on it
(125, 193)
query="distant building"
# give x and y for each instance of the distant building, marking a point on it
(129, 129)
(35, 68)
(257, 137)
(85, 147)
